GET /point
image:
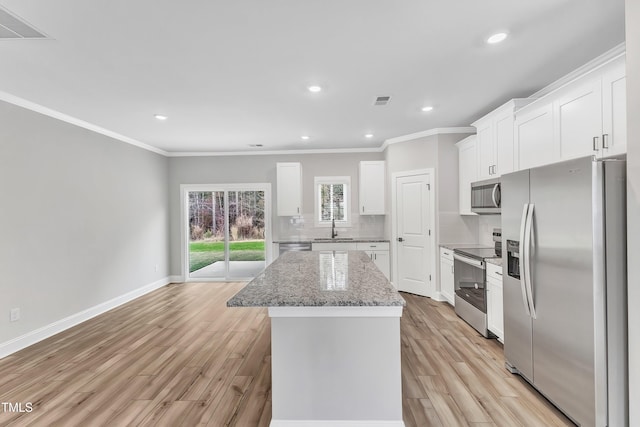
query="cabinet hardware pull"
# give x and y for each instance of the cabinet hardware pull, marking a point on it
(363, 209)
(452, 269)
(489, 170)
(298, 210)
(595, 143)
(605, 140)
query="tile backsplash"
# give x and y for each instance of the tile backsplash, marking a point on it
(302, 227)
(486, 224)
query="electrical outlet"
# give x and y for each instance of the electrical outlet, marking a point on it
(14, 315)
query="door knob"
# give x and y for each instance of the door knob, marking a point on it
(400, 239)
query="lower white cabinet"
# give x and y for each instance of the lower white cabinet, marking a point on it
(446, 275)
(495, 314)
(379, 254)
(334, 246)
(377, 251)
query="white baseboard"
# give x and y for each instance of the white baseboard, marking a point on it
(30, 338)
(335, 423)
(437, 296)
(176, 279)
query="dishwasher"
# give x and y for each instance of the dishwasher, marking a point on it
(294, 246)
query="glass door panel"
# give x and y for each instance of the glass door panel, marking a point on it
(207, 236)
(246, 233)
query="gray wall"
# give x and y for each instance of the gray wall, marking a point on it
(262, 169)
(440, 153)
(633, 201)
(83, 219)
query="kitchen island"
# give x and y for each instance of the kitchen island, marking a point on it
(335, 339)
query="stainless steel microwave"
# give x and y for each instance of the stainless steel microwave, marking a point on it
(485, 196)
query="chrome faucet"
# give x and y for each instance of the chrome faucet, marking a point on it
(334, 233)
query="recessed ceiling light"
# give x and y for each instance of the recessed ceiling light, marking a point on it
(160, 117)
(314, 88)
(497, 38)
(427, 108)
(305, 137)
(369, 135)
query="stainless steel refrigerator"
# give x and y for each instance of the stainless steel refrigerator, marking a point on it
(565, 318)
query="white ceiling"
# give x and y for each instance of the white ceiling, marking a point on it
(233, 73)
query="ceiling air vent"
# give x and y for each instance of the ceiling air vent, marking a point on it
(382, 100)
(12, 27)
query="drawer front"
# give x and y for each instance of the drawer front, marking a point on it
(494, 271)
(446, 253)
(373, 246)
(334, 246)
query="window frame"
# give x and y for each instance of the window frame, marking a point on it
(323, 180)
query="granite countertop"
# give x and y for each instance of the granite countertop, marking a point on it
(319, 278)
(329, 240)
(495, 261)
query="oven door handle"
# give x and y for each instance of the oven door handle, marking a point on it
(470, 261)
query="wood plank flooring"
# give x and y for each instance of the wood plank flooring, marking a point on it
(180, 357)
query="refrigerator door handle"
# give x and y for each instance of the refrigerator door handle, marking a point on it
(521, 255)
(527, 259)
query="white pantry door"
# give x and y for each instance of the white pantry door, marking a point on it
(414, 236)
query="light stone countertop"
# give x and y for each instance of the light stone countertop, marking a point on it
(319, 278)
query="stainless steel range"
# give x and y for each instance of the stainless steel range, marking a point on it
(470, 277)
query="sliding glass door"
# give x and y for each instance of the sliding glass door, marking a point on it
(226, 231)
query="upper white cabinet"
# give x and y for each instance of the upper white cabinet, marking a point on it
(614, 111)
(585, 117)
(495, 140)
(467, 172)
(578, 114)
(591, 114)
(372, 188)
(533, 132)
(289, 188)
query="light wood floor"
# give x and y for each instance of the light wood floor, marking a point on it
(179, 356)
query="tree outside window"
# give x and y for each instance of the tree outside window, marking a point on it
(332, 200)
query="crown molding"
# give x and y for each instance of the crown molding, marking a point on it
(20, 102)
(610, 55)
(273, 152)
(430, 132)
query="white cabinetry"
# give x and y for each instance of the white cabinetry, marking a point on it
(467, 172)
(495, 314)
(585, 117)
(447, 282)
(495, 140)
(578, 119)
(591, 114)
(334, 246)
(372, 188)
(614, 111)
(289, 188)
(533, 131)
(486, 150)
(379, 254)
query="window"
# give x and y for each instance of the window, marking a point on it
(332, 200)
